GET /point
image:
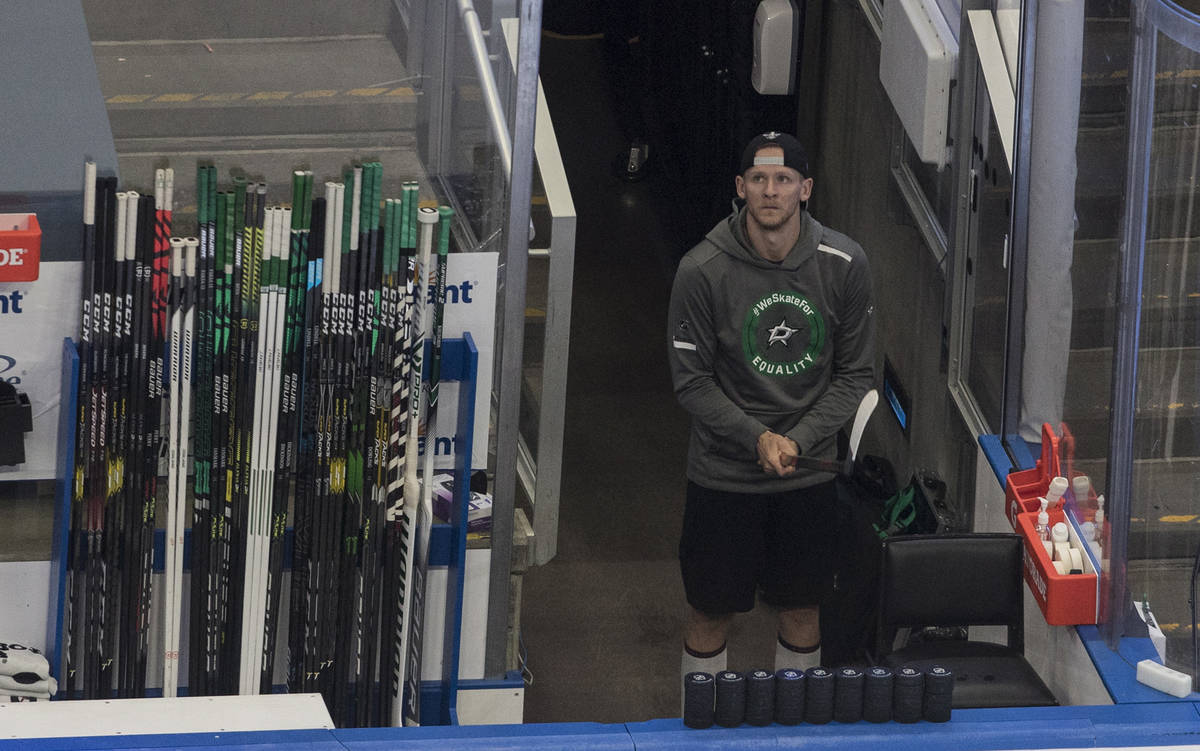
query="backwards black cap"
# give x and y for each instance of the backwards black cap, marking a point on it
(793, 152)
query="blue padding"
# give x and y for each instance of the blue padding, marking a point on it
(997, 457)
(1160, 724)
(577, 736)
(1096, 714)
(1118, 669)
(664, 735)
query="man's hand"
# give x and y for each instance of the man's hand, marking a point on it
(777, 454)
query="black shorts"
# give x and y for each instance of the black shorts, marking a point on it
(737, 544)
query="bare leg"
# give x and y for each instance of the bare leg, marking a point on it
(704, 644)
(704, 632)
(801, 627)
(799, 645)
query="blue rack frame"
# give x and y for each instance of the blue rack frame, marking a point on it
(448, 541)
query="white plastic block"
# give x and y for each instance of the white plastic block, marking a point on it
(1162, 678)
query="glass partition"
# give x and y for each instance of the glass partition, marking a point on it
(256, 93)
(987, 274)
(983, 189)
(1110, 342)
(1157, 471)
(466, 147)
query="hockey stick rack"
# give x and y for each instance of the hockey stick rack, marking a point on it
(448, 541)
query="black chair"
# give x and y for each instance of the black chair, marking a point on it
(958, 580)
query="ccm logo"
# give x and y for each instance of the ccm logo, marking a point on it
(19, 264)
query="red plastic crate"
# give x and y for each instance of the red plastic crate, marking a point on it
(20, 247)
(1023, 487)
(1065, 599)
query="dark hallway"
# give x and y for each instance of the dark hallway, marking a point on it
(601, 623)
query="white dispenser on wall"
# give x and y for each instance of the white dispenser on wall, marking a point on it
(776, 47)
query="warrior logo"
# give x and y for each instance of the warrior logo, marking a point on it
(773, 334)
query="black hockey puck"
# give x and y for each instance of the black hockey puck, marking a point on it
(877, 695)
(939, 680)
(818, 700)
(908, 689)
(936, 708)
(939, 693)
(760, 697)
(848, 695)
(789, 696)
(698, 692)
(731, 699)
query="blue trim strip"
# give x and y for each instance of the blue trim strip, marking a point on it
(997, 457)
(511, 680)
(60, 541)
(441, 539)
(465, 352)
(1026, 453)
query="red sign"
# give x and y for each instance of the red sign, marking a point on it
(20, 247)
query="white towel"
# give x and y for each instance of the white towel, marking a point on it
(24, 682)
(50, 688)
(16, 659)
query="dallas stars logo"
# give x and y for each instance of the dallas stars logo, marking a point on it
(767, 324)
(780, 334)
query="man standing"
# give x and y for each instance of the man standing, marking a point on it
(771, 349)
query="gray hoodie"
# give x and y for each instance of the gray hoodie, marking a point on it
(757, 345)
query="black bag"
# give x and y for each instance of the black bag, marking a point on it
(848, 614)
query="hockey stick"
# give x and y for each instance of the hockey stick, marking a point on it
(865, 408)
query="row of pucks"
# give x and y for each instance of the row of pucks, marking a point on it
(817, 696)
